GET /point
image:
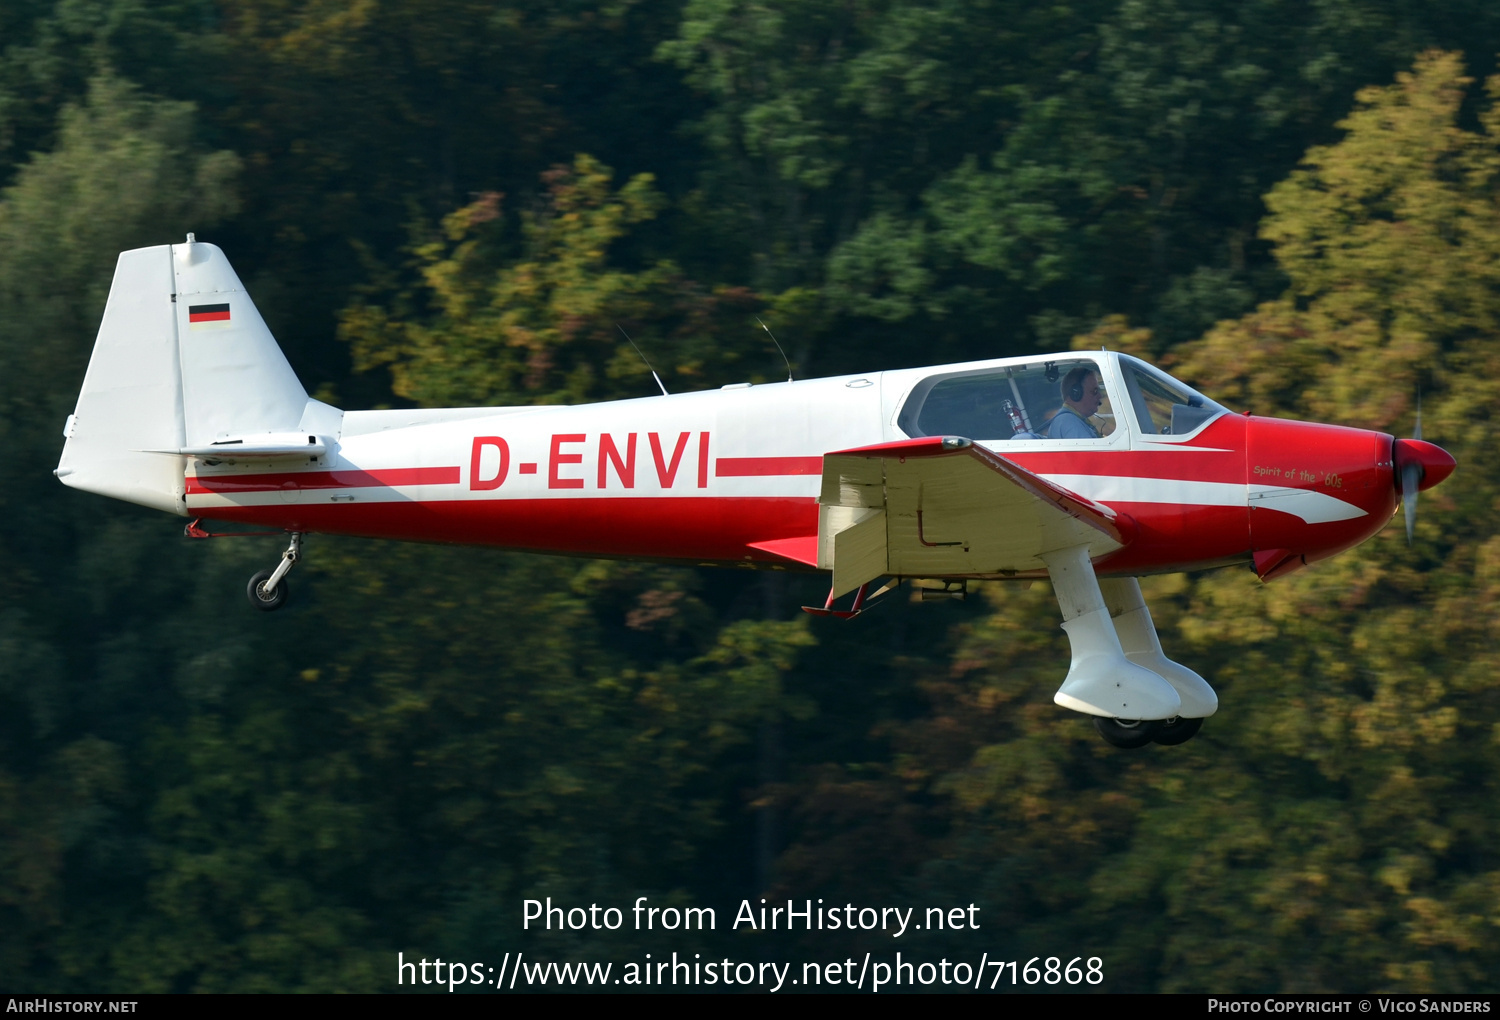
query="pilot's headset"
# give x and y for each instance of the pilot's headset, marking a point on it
(1072, 384)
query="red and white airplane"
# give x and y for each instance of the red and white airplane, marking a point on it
(1088, 469)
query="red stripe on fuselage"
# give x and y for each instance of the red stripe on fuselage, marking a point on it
(703, 528)
(753, 467)
(388, 477)
(1190, 467)
(663, 527)
(1217, 454)
(719, 528)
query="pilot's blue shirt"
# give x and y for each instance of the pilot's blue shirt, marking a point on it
(1068, 424)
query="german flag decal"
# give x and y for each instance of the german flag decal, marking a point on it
(208, 317)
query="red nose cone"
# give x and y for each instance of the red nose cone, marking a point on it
(1435, 462)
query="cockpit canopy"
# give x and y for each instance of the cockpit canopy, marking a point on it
(1055, 397)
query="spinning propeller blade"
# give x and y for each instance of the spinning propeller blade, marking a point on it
(1419, 465)
(1411, 477)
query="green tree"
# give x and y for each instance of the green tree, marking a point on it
(80, 641)
(51, 51)
(539, 326)
(961, 165)
(1390, 242)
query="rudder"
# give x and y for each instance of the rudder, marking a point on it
(235, 380)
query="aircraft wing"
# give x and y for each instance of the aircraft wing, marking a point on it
(945, 506)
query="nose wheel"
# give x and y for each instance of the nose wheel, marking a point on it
(267, 590)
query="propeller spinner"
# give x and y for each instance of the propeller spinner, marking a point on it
(1419, 466)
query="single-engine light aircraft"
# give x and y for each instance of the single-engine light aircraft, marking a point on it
(1088, 469)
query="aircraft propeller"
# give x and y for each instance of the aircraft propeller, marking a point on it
(1418, 466)
(1411, 477)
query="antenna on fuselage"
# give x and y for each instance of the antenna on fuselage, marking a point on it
(643, 358)
(778, 347)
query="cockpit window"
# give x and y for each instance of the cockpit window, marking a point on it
(1033, 401)
(1163, 406)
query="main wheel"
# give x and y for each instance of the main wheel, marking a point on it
(263, 600)
(1176, 731)
(1126, 733)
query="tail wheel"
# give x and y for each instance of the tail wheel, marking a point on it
(1126, 733)
(266, 601)
(1176, 731)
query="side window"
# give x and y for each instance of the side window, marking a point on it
(1033, 401)
(973, 406)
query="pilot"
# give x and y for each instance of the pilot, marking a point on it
(1081, 397)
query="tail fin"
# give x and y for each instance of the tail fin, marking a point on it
(183, 362)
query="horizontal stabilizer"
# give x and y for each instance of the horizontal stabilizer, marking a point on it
(267, 445)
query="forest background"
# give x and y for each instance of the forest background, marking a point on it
(1293, 206)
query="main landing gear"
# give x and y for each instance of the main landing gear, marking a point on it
(1119, 674)
(267, 590)
(1133, 733)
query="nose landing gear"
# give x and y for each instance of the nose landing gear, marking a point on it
(267, 590)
